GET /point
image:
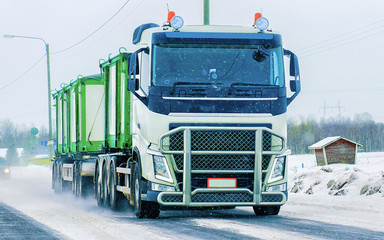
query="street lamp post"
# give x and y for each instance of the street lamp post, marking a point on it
(49, 88)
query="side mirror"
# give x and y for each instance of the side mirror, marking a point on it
(133, 70)
(295, 85)
(133, 84)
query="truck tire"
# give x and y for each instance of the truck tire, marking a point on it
(59, 184)
(105, 186)
(83, 184)
(114, 194)
(98, 190)
(74, 180)
(266, 210)
(53, 180)
(142, 208)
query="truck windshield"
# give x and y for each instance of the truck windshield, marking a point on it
(224, 65)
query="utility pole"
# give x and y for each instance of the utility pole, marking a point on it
(50, 140)
(339, 107)
(206, 12)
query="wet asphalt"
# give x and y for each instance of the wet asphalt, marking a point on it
(16, 225)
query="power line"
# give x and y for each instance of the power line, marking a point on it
(113, 28)
(339, 45)
(343, 40)
(22, 75)
(65, 49)
(344, 34)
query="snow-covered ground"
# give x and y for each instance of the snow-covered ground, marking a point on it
(346, 198)
(365, 178)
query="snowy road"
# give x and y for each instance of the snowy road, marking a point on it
(303, 217)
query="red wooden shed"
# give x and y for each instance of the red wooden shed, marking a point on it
(332, 150)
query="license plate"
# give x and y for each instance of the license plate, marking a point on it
(222, 183)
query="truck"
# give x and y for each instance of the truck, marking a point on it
(195, 117)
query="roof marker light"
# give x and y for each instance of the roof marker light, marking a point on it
(257, 16)
(177, 22)
(262, 23)
(171, 14)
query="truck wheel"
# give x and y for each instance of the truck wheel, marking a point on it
(266, 210)
(142, 208)
(98, 189)
(74, 180)
(59, 185)
(83, 184)
(53, 176)
(114, 195)
(105, 186)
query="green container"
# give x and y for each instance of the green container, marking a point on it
(115, 74)
(90, 95)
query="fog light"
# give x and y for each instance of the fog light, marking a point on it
(277, 188)
(6, 170)
(162, 188)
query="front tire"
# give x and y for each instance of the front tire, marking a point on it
(142, 208)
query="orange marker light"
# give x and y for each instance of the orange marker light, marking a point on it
(171, 14)
(257, 16)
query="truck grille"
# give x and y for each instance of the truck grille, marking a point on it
(215, 140)
(218, 162)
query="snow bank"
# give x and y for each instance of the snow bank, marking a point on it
(365, 178)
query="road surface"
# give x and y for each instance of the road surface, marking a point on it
(15, 225)
(303, 217)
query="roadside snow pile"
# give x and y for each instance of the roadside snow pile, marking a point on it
(364, 178)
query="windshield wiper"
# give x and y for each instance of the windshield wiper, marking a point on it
(249, 84)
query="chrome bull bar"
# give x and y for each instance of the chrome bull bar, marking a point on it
(193, 141)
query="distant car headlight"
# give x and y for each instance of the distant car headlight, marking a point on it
(161, 168)
(277, 169)
(6, 170)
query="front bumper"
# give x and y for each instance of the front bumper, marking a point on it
(199, 153)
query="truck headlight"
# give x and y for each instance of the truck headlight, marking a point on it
(161, 168)
(277, 169)
(6, 170)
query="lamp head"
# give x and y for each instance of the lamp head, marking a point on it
(8, 36)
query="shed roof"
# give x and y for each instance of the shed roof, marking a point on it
(327, 141)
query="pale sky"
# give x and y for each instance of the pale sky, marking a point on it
(339, 44)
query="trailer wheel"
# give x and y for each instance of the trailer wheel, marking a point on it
(266, 210)
(53, 176)
(74, 180)
(114, 195)
(59, 178)
(98, 187)
(105, 186)
(142, 208)
(83, 184)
